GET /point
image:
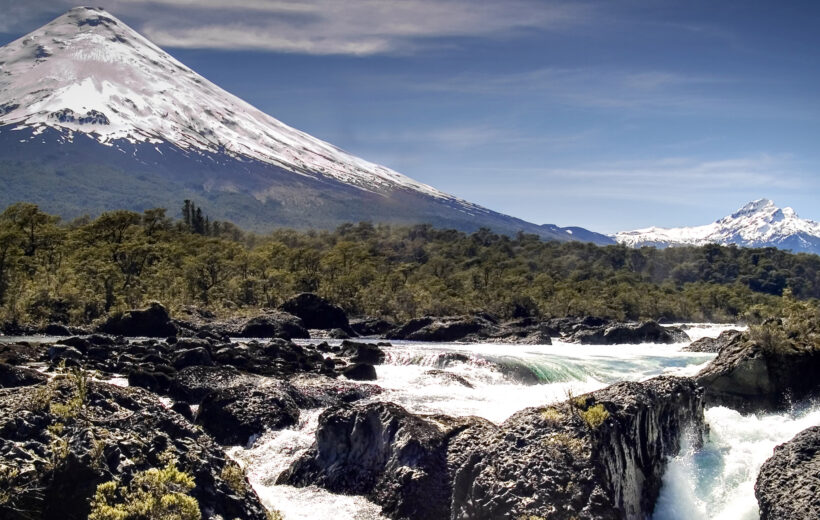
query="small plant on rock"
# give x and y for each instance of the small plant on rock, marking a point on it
(594, 416)
(234, 476)
(154, 494)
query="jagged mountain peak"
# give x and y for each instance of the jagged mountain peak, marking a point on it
(759, 223)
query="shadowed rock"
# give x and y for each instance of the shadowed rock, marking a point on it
(788, 486)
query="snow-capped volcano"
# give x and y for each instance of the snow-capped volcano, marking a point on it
(91, 108)
(757, 224)
(89, 72)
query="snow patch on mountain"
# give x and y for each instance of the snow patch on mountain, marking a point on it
(88, 72)
(757, 224)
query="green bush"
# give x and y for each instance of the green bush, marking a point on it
(154, 494)
(594, 416)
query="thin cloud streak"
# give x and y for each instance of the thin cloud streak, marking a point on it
(353, 27)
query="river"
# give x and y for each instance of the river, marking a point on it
(492, 381)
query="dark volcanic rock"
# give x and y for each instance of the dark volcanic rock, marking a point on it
(600, 456)
(448, 377)
(629, 333)
(713, 344)
(371, 326)
(553, 463)
(401, 461)
(473, 329)
(192, 357)
(360, 372)
(14, 376)
(273, 324)
(317, 313)
(192, 384)
(761, 374)
(233, 415)
(150, 380)
(55, 329)
(409, 328)
(788, 485)
(324, 391)
(363, 352)
(119, 432)
(152, 321)
(450, 329)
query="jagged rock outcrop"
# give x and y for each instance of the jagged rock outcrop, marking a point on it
(714, 345)
(762, 372)
(788, 485)
(153, 322)
(599, 456)
(233, 415)
(317, 313)
(402, 461)
(58, 456)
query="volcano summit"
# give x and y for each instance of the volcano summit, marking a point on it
(93, 117)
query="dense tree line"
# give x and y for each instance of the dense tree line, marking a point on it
(81, 270)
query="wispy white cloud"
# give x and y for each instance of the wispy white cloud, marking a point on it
(466, 137)
(662, 179)
(597, 87)
(357, 27)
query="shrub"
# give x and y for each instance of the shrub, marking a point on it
(234, 476)
(154, 494)
(594, 416)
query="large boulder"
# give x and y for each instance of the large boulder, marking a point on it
(762, 371)
(409, 327)
(153, 322)
(363, 352)
(402, 461)
(59, 459)
(234, 414)
(788, 485)
(713, 345)
(323, 391)
(451, 329)
(629, 333)
(360, 372)
(273, 324)
(598, 456)
(371, 326)
(317, 313)
(192, 384)
(13, 376)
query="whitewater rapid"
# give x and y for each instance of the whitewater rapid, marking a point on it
(494, 381)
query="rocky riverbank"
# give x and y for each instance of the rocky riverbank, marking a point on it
(194, 389)
(307, 315)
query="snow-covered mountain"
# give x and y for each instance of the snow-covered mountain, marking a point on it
(88, 91)
(757, 224)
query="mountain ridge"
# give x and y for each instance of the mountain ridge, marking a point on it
(759, 223)
(87, 74)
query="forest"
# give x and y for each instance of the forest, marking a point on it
(76, 272)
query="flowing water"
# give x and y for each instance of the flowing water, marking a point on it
(495, 381)
(715, 481)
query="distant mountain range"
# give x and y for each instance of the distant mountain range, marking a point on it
(757, 224)
(95, 117)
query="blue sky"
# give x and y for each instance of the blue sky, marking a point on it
(609, 115)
